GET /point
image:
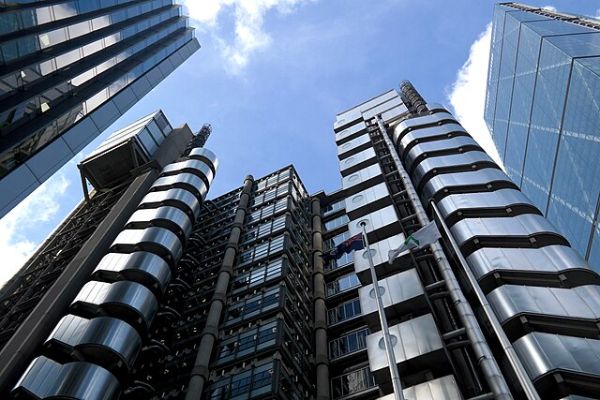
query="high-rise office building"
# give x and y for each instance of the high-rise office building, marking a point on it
(173, 296)
(542, 107)
(69, 69)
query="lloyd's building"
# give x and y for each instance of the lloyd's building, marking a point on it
(151, 289)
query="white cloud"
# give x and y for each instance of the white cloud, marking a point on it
(467, 95)
(550, 8)
(249, 35)
(42, 206)
(597, 16)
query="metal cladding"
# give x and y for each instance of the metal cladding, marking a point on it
(444, 388)
(46, 378)
(542, 292)
(112, 314)
(143, 267)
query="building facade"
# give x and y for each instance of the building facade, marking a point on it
(542, 109)
(69, 69)
(173, 296)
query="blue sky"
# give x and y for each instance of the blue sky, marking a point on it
(272, 74)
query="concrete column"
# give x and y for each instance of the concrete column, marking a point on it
(200, 371)
(320, 311)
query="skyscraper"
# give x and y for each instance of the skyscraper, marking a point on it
(68, 69)
(542, 107)
(177, 297)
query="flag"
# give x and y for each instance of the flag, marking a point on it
(421, 238)
(356, 242)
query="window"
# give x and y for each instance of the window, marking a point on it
(344, 311)
(259, 275)
(336, 222)
(343, 283)
(333, 207)
(262, 250)
(346, 258)
(256, 380)
(352, 382)
(271, 194)
(268, 211)
(265, 229)
(349, 343)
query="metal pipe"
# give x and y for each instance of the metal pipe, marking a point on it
(200, 371)
(320, 309)
(490, 368)
(509, 351)
(387, 340)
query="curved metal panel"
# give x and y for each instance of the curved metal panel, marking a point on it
(444, 388)
(180, 198)
(368, 200)
(551, 265)
(413, 338)
(349, 147)
(357, 161)
(106, 341)
(402, 293)
(414, 123)
(154, 239)
(350, 132)
(546, 353)
(359, 178)
(450, 163)
(510, 301)
(526, 230)
(197, 167)
(184, 180)
(129, 301)
(431, 133)
(499, 203)
(141, 266)
(200, 153)
(45, 378)
(451, 145)
(482, 180)
(167, 217)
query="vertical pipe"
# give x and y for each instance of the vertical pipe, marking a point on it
(320, 323)
(200, 371)
(490, 368)
(387, 340)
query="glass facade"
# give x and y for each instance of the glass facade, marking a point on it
(70, 69)
(542, 107)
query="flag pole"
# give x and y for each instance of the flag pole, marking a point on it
(387, 340)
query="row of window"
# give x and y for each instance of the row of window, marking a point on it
(344, 311)
(30, 17)
(262, 250)
(273, 180)
(46, 67)
(248, 384)
(333, 207)
(248, 342)
(258, 276)
(349, 343)
(265, 230)
(352, 383)
(267, 211)
(253, 306)
(342, 284)
(271, 194)
(14, 49)
(336, 222)
(135, 70)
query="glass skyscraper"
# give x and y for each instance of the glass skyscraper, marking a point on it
(543, 109)
(68, 69)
